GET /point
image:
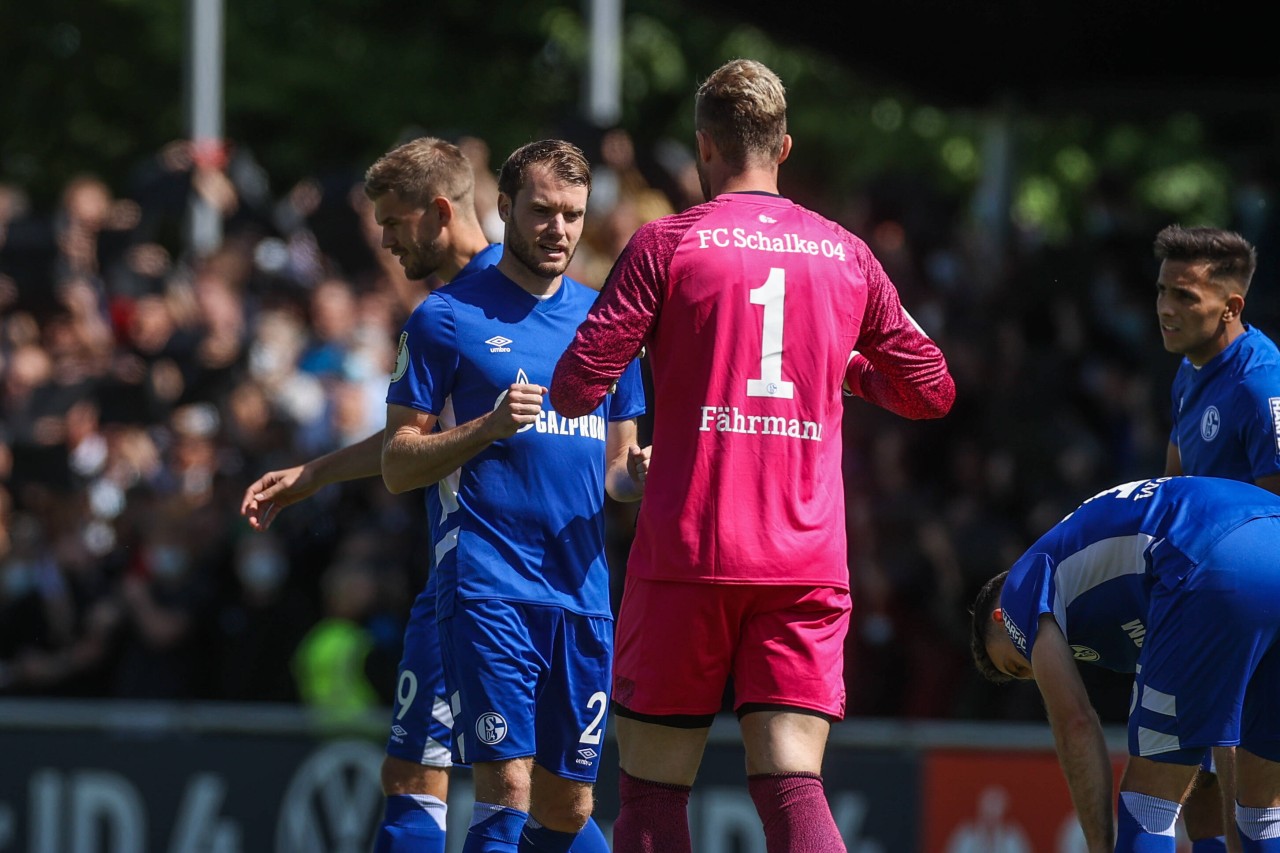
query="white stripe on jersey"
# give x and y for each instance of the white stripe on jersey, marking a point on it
(447, 543)
(447, 490)
(1094, 565)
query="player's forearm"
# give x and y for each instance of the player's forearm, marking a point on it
(923, 391)
(413, 460)
(575, 390)
(1082, 751)
(353, 462)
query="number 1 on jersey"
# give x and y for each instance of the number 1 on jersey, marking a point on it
(772, 295)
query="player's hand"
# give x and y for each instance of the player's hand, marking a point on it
(638, 463)
(274, 491)
(517, 408)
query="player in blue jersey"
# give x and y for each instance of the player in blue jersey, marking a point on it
(423, 195)
(1176, 580)
(1226, 394)
(525, 620)
(1226, 411)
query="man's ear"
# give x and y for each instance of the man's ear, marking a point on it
(504, 206)
(706, 147)
(1235, 307)
(443, 208)
(786, 148)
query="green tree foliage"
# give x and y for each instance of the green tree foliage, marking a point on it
(321, 85)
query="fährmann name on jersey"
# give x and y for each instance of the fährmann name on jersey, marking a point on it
(733, 419)
(789, 244)
(589, 426)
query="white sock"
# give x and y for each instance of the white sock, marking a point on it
(1258, 824)
(1153, 814)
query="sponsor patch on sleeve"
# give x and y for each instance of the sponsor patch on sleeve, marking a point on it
(1015, 634)
(1274, 404)
(402, 357)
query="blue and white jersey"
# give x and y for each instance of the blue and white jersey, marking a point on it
(485, 258)
(1093, 571)
(523, 519)
(1226, 414)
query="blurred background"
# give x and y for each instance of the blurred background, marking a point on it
(192, 293)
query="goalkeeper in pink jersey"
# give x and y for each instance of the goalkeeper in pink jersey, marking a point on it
(756, 313)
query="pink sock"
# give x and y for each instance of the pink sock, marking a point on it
(653, 817)
(795, 813)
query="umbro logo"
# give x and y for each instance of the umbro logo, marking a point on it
(588, 753)
(499, 344)
(399, 731)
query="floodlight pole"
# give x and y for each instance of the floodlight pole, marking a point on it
(603, 86)
(204, 116)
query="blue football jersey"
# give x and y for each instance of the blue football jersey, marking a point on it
(485, 258)
(1226, 414)
(1093, 571)
(523, 519)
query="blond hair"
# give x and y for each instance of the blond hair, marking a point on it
(742, 106)
(423, 169)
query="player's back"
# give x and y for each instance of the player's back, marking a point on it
(762, 306)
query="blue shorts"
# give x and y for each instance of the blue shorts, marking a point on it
(421, 720)
(1209, 672)
(528, 680)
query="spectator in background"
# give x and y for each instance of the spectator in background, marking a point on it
(337, 666)
(164, 601)
(261, 627)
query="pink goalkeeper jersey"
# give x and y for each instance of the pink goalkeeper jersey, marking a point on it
(750, 306)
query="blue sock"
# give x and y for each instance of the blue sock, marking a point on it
(1218, 844)
(1144, 824)
(1259, 829)
(494, 829)
(412, 823)
(537, 838)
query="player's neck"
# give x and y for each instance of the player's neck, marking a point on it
(468, 243)
(1230, 332)
(748, 180)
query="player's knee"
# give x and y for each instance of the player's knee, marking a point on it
(405, 777)
(504, 783)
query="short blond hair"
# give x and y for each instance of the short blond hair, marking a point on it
(423, 169)
(742, 106)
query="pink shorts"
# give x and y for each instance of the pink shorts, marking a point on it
(676, 645)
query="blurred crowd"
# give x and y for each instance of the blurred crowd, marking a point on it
(144, 386)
